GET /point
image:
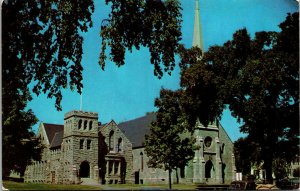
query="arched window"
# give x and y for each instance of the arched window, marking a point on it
(79, 124)
(223, 149)
(119, 147)
(90, 125)
(207, 141)
(142, 161)
(111, 141)
(85, 125)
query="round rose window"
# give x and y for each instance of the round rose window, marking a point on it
(207, 141)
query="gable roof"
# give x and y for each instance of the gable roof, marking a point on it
(57, 139)
(136, 129)
(102, 126)
(51, 129)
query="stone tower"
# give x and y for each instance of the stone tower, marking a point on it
(208, 165)
(80, 144)
(207, 162)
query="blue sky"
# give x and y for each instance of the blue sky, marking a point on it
(128, 92)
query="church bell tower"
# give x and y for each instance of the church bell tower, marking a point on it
(207, 163)
(80, 143)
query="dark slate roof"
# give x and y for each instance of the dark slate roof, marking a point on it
(51, 129)
(136, 129)
(57, 139)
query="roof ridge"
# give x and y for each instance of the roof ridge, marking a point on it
(106, 124)
(147, 114)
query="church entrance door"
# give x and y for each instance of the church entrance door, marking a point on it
(208, 168)
(84, 171)
(136, 177)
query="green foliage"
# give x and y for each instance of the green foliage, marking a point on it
(154, 24)
(201, 98)
(42, 47)
(246, 154)
(19, 144)
(169, 145)
(259, 80)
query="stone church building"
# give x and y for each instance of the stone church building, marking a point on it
(83, 149)
(112, 153)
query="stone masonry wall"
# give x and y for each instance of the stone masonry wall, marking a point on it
(125, 153)
(81, 142)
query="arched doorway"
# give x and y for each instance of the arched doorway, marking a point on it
(84, 171)
(208, 168)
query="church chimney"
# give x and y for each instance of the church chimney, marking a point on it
(197, 37)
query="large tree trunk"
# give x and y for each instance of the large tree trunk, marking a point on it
(268, 161)
(170, 182)
(268, 167)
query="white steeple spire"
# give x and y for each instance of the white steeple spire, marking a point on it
(197, 37)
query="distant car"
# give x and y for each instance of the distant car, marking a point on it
(242, 185)
(288, 184)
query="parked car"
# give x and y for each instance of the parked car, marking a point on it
(288, 184)
(242, 185)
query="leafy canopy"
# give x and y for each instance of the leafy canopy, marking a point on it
(169, 144)
(42, 49)
(259, 80)
(43, 45)
(155, 24)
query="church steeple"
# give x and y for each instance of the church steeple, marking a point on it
(197, 37)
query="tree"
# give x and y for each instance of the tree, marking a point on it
(201, 97)
(154, 24)
(19, 145)
(169, 144)
(43, 46)
(246, 154)
(42, 49)
(259, 80)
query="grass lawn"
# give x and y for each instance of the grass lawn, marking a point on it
(158, 186)
(35, 186)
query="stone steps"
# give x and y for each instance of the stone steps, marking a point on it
(89, 181)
